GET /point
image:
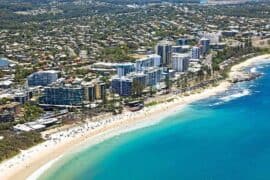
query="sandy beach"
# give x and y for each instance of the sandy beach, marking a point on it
(30, 164)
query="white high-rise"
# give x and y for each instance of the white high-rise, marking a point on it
(180, 62)
(152, 60)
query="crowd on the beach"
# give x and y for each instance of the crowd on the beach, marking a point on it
(85, 130)
(64, 136)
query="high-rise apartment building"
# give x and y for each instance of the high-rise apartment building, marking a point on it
(42, 78)
(164, 49)
(180, 62)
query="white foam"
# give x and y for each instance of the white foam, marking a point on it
(253, 70)
(217, 103)
(261, 66)
(245, 92)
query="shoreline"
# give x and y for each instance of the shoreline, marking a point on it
(33, 162)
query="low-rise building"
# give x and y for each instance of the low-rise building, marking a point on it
(38, 125)
(8, 112)
(5, 84)
(21, 97)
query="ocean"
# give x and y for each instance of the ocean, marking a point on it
(225, 137)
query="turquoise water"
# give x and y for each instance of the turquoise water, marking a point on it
(226, 137)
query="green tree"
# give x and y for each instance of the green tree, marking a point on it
(31, 112)
(178, 84)
(137, 88)
(152, 91)
(21, 73)
(168, 82)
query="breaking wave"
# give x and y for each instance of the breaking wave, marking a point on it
(228, 98)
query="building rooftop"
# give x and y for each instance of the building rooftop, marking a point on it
(6, 83)
(35, 125)
(22, 127)
(181, 55)
(125, 64)
(47, 71)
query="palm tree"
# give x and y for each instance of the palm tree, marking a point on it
(178, 82)
(152, 91)
(201, 75)
(137, 88)
(168, 83)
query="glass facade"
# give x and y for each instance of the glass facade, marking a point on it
(42, 78)
(122, 86)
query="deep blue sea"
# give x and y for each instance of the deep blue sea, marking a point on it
(226, 137)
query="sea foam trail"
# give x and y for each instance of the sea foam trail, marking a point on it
(245, 92)
(232, 96)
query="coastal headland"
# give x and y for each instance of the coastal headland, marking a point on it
(31, 163)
